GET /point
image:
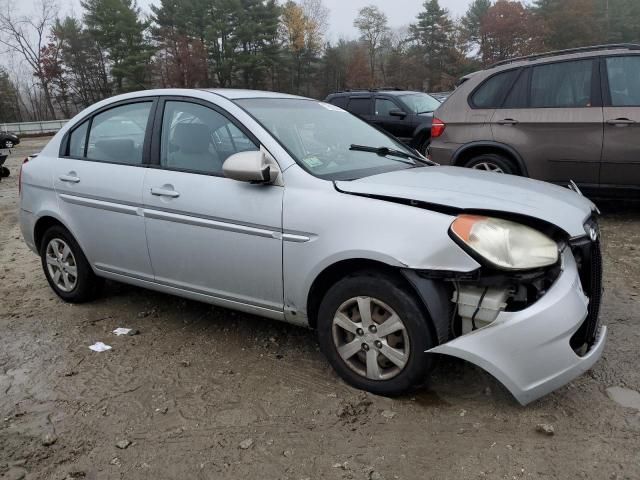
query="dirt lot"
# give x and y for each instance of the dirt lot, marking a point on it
(205, 393)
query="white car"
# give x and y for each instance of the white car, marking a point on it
(295, 210)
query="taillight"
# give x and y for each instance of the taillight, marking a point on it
(437, 128)
(20, 175)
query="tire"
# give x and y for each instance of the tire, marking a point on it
(492, 162)
(385, 293)
(8, 144)
(81, 287)
(4, 172)
(423, 144)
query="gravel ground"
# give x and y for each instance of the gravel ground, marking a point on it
(206, 393)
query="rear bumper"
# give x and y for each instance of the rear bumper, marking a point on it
(27, 224)
(443, 153)
(529, 351)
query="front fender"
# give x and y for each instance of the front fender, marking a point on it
(341, 226)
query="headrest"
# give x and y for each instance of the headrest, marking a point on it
(192, 137)
(118, 149)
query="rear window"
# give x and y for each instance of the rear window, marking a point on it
(492, 92)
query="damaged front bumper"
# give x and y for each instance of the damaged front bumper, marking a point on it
(529, 351)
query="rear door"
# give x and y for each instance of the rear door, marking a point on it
(621, 150)
(98, 180)
(361, 106)
(552, 116)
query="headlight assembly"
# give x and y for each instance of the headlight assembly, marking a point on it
(506, 245)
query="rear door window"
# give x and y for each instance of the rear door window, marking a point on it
(519, 95)
(624, 81)
(78, 140)
(339, 101)
(562, 85)
(360, 105)
(117, 135)
(492, 92)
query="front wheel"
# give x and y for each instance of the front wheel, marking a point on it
(66, 268)
(374, 333)
(4, 172)
(8, 144)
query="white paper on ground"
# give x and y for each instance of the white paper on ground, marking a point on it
(122, 331)
(99, 347)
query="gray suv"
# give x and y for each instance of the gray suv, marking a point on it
(563, 116)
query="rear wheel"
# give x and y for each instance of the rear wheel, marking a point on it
(423, 145)
(374, 333)
(8, 144)
(66, 268)
(492, 162)
(4, 172)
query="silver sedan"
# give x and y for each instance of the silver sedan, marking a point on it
(295, 210)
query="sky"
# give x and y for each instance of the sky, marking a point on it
(342, 12)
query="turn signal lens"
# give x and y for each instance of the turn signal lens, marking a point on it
(504, 244)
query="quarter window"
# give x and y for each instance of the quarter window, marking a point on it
(117, 135)
(78, 140)
(360, 106)
(624, 81)
(199, 139)
(492, 92)
(566, 85)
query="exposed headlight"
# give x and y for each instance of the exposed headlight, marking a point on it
(507, 245)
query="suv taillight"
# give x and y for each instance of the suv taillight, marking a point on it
(437, 128)
(20, 175)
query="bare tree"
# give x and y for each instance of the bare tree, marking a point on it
(373, 26)
(26, 36)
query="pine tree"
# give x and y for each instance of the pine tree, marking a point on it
(117, 28)
(434, 32)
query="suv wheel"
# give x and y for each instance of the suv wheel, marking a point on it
(374, 333)
(8, 144)
(491, 162)
(66, 268)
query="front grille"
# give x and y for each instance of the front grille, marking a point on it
(588, 254)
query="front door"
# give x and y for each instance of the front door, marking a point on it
(621, 151)
(399, 126)
(206, 233)
(553, 118)
(98, 180)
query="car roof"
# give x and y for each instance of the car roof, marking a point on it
(396, 93)
(240, 94)
(568, 54)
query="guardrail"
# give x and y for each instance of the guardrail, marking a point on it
(33, 128)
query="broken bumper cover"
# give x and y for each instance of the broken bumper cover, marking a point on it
(528, 351)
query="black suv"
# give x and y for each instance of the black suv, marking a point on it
(404, 114)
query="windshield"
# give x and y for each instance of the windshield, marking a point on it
(319, 136)
(420, 102)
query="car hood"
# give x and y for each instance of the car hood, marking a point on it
(473, 190)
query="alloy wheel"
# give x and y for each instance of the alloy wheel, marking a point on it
(488, 167)
(61, 265)
(371, 338)
(8, 144)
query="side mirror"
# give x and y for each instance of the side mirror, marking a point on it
(252, 166)
(396, 112)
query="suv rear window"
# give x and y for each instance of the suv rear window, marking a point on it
(492, 91)
(562, 85)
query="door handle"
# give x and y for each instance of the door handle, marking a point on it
(161, 192)
(69, 178)
(508, 121)
(621, 122)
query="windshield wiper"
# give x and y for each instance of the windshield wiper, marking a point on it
(386, 152)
